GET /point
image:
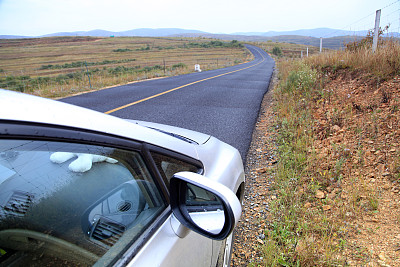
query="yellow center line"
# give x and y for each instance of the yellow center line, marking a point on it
(180, 87)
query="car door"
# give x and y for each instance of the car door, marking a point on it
(73, 197)
(173, 244)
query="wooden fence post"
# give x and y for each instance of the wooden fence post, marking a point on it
(87, 72)
(320, 44)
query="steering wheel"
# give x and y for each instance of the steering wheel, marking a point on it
(31, 241)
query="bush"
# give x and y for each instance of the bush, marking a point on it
(179, 65)
(16, 83)
(78, 64)
(366, 43)
(137, 69)
(233, 43)
(143, 48)
(276, 51)
(45, 67)
(119, 50)
(156, 67)
(300, 80)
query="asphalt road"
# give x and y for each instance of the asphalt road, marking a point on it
(223, 103)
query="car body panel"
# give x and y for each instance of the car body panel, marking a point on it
(166, 249)
(222, 162)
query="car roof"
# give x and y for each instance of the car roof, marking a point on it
(22, 107)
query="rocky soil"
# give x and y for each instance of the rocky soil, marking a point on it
(358, 125)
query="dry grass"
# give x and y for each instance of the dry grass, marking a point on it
(337, 116)
(24, 63)
(384, 63)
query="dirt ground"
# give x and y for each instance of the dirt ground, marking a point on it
(359, 126)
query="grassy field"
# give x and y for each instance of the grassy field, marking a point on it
(59, 66)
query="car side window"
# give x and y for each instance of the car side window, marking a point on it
(75, 204)
(168, 166)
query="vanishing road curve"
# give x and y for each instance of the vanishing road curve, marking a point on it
(223, 103)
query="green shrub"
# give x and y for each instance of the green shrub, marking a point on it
(78, 64)
(300, 81)
(179, 65)
(144, 48)
(120, 50)
(276, 51)
(211, 44)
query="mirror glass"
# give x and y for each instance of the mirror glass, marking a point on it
(205, 209)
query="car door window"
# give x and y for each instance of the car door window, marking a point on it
(168, 166)
(72, 204)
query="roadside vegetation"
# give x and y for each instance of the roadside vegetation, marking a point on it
(60, 66)
(337, 180)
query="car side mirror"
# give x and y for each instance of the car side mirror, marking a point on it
(204, 205)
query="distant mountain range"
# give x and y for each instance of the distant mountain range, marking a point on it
(147, 32)
(332, 38)
(317, 33)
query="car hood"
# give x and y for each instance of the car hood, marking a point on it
(180, 133)
(19, 107)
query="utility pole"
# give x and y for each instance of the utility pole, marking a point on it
(376, 32)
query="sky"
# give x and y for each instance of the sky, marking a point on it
(40, 17)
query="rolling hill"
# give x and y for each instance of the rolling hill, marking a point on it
(332, 38)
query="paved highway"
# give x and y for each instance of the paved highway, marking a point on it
(223, 103)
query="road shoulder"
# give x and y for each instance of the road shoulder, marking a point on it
(260, 162)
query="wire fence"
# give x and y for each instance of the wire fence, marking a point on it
(360, 27)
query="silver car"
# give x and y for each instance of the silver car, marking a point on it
(78, 187)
